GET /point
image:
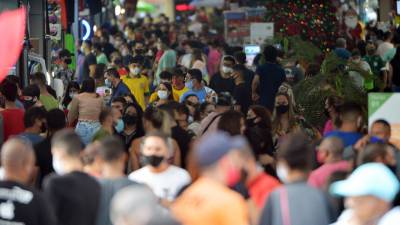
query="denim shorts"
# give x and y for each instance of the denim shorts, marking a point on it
(86, 130)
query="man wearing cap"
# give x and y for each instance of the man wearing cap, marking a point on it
(369, 191)
(209, 200)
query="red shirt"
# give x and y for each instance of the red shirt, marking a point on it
(260, 188)
(122, 72)
(13, 122)
(319, 176)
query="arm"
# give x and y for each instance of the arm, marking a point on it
(134, 151)
(92, 70)
(177, 153)
(73, 112)
(254, 86)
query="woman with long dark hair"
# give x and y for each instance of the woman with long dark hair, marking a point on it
(86, 108)
(71, 91)
(133, 124)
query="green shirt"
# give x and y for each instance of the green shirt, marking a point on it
(102, 58)
(49, 102)
(376, 64)
(100, 134)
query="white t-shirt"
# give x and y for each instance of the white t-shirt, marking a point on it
(390, 218)
(166, 184)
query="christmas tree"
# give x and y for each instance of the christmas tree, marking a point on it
(312, 20)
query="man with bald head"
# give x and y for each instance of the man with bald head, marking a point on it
(20, 204)
(330, 155)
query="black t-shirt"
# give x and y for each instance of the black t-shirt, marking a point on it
(242, 95)
(183, 138)
(271, 77)
(74, 197)
(220, 84)
(22, 205)
(44, 159)
(248, 76)
(88, 61)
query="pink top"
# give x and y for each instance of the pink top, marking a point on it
(320, 176)
(214, 59)
(328, 126)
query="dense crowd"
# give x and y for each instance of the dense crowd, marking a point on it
(164, 123)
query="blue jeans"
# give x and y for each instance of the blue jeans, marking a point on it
(86, 130)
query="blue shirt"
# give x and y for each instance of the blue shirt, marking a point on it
(348, 138)
(120, 90)
(271, 78)
(342, 53)
(201, 94)
(33, 138)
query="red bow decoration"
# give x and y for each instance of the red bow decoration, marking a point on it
(12, 28)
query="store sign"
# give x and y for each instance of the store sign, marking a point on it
(259, 32)
(385, 106)
(86, 31)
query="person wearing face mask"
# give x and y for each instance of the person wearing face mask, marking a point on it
(220, 165)
(100, 56)
(165, 78)
(30, 97)
(222, 81)
(330, 155)
(114, 81)
(137, 83)
(18, 162)
(35, 124)
(65, 73)
(293, 167)
(55, 121)
(259, 135)
(72, 91)
(133, 125)
(375, 61)
(359, 63)
(164, 95)
(116, 62)
(164, 179)
(73, 194)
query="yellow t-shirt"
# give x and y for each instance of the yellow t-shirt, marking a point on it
(180, 92)
(139, 86)
(208, 202)
(154, 97)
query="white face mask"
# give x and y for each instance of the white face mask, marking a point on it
(82, 49)
(135, 71)
(226, 69)
(282, 173)
(58, 166)
(162, 94)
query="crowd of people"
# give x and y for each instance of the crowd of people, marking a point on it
(164, 123)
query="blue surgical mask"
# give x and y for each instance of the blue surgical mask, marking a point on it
(108, 83)
(119, 127)
(189, 84)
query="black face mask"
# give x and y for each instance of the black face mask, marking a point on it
(152, 160)
(28, 104)
(281, 109)
(129, 119)
(68, 61)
